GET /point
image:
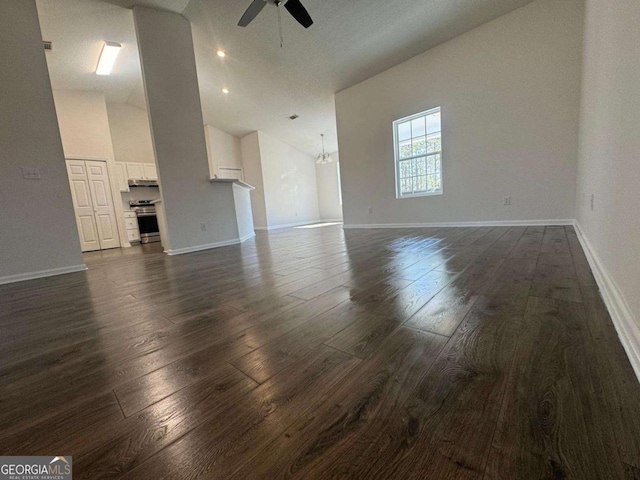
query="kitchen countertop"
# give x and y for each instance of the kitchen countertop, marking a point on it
(240, 183)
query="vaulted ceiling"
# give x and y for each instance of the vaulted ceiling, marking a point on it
(350, 41)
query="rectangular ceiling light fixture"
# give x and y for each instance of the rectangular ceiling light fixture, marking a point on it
(110, 52)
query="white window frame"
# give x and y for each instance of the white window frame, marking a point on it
(396, 155)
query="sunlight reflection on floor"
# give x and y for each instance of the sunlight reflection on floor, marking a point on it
(318, 225)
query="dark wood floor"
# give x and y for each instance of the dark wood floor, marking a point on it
(457, 353)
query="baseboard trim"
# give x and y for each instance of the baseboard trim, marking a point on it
(287, 225)
(331, 220)
(199, 248)
(247, 237)
(494, 223)
(21, 277)
(627, 328)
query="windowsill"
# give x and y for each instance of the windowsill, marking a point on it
(413, 195)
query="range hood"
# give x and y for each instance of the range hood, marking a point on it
(143, 183)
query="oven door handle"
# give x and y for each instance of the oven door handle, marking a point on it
(146, 215)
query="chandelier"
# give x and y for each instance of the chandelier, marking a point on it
(324, 157)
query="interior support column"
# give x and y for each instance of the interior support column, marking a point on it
(195, 217)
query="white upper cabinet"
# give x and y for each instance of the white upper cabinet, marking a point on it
(140, 171)
(121, 177)
(150, 171)
(135, 171)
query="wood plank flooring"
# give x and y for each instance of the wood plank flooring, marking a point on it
(453, 353)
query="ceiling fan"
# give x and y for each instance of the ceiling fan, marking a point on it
(294, 7)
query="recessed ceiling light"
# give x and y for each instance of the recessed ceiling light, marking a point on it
(225, 90)
(221, 53)
(110, 52)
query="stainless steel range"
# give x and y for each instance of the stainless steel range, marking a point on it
(147, 220)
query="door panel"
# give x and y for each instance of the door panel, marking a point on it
(88, 233)
(83, 197)
(80, 193)
(105, 226)
(99, 192)
(105, 214)
(150, 171)
(135, 171)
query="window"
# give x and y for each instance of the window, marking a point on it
(418, 154)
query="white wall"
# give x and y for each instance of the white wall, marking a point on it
(130, 133)
(250, 148)
(131, 139)
(223, 150)
(509, 92)
(289, 176)
(84, 126)
(328, 190)
(286, 191)
(38, 234)
(609, 165)
(171, 87)
(84, 123)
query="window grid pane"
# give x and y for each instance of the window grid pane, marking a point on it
(420, 175)
(404, 149)
(404, 131)
(418, 154)
(418, 128)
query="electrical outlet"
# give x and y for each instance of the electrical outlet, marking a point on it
(593, 202)
(370, 209)
(203, 227)
(506, 201)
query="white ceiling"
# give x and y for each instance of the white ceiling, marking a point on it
(350, 41)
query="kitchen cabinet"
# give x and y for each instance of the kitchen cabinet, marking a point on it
(141, 171)
(150, 171)
(133, 235)
(121, 177)
(135, 171)
(131, 222)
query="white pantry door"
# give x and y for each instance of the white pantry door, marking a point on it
(93, 205)
(82, 205)
(105, 214)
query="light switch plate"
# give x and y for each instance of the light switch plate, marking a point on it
(30, 173)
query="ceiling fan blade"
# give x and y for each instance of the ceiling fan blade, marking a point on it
(252, 12)
(297, 11)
